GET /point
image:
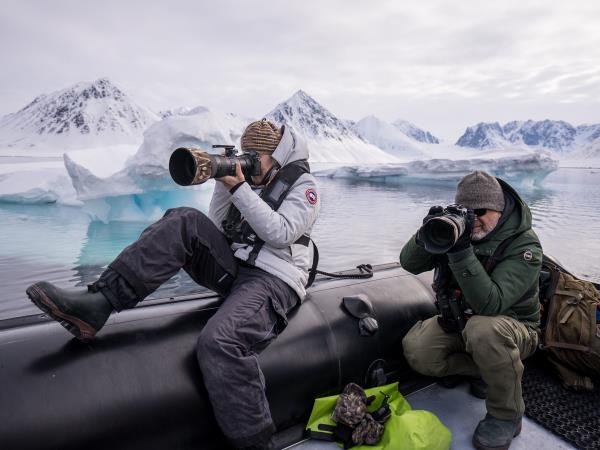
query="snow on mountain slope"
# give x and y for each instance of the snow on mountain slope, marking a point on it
(551, 134)
(415, 132)
(329, 138)
(585, 156)
(82, 116)
(388, 137)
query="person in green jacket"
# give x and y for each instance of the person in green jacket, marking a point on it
(491, 274)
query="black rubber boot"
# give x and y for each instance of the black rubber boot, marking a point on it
(81, 312)
(495, 434)
(478, 388)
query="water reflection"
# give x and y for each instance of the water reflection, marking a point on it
(361, 222)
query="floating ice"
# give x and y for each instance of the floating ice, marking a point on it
(36, 183)
(530, 168)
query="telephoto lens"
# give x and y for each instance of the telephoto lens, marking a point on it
(440, 233)
(189, 166)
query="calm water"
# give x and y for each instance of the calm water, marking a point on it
(360, 222)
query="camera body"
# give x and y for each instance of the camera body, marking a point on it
(440, 233)
(189, 166)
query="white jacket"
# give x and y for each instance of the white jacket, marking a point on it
(279, 229)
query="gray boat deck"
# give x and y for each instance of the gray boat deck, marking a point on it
(461, 412)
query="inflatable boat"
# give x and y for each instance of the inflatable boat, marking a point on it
(138, 385)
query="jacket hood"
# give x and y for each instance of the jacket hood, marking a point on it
(516, 217)
(291, 147)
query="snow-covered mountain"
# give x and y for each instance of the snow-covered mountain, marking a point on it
(82, 116)
(329, 138)
(388, 137)
(483, 135)
(555, 135)
(415, 132)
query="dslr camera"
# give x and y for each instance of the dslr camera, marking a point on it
(189, 166)
(439, 233)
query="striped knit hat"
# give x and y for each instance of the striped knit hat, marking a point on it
(261, 136)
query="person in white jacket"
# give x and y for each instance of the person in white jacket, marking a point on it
(252, 248)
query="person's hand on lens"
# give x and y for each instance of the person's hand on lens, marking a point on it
(434, 211)
(464, 241)
(233, 180)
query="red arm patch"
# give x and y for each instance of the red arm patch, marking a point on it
(311, 196)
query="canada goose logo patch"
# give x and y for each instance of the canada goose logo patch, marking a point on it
(311, 196)
(527, 255)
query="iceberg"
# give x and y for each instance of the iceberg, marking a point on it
(147, 169)
(146, 206)
(132, 185)
(36, 181)
(526, 169)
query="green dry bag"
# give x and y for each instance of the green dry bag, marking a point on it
(406, 429)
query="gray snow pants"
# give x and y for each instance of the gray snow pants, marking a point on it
(253, 313)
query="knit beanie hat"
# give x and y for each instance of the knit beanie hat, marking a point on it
(261, 136)
(480, 190)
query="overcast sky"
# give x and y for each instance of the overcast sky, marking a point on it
(443, 65)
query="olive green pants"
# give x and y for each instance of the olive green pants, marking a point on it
(489, 347)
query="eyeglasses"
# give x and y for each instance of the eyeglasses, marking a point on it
(480, 212)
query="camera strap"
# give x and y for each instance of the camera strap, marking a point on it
(491, 262)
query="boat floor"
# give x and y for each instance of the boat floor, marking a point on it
(461, 412)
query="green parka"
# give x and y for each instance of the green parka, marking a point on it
(512, 287)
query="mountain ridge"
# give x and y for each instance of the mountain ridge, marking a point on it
(555, 135)
(85, 114)
(330, 138)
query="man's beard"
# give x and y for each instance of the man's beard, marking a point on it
(485, 230)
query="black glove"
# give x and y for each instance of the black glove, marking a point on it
(434, 211)
(464, 240)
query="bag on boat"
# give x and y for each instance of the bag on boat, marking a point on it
(571, 334)
(403, 428)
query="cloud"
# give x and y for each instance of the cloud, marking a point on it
(390, 58)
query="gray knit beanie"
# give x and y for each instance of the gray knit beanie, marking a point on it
(480, 190)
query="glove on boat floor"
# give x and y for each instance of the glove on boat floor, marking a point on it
(574, 416)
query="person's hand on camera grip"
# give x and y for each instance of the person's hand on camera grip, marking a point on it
(434, 211)
(233, 180)
(464, 241)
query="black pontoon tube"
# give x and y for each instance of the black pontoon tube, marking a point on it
(138, 385)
